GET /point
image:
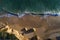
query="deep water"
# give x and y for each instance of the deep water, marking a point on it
(30, 5)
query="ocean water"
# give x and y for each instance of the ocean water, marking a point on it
(30, 5)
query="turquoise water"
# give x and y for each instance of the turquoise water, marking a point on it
(30, 5)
